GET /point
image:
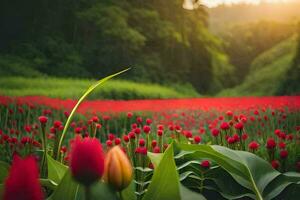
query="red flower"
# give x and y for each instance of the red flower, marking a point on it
(231, 140)
(109, 143)
(43, 119)
(141, 150)
(111, 136)
(28, 128)
(197, 139)
(137, 131)
(148, 121)
(117, 141)
(205, 164)
(224, 126)
(22, 181)
(244, 136)
(281, 145)
(129, 115)
(275, 164)
(57, 124)
(284, 154)
(153, 143)
(239, 126)
(146, 129)
(142, 142)
(95, 119)
(156, 149)
(87, 160)
(160, 132)
(160, 127)
(253, 145)
(131, 135)
(139, 120)
(229, 113)
(215, 132)
(126, 138)
(271, 143)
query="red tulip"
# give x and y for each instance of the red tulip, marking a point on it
(22, 182)
(43, 119)
(253, 145)
(87, 160)
(271, 143)
(205, 164)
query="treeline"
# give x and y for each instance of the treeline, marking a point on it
(163, 42)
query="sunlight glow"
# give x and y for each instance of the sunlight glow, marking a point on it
(213, 3)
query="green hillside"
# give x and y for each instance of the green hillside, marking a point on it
(267, 71)
(74, 88)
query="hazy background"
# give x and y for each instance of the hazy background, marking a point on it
(175, 48)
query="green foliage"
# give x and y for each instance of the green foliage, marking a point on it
(96, 38)
(245, 42)
(267, 72)
(72, 88)
(290, 85)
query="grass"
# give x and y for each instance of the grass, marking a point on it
(267, 72)
(73, 88)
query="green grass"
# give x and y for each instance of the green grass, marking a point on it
(74, 88)
(267, 72)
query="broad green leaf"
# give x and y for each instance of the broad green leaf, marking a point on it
(86, 93)
(56, 170)
(128, 193)
(279, 184)
(187, 194)
(4, 168)
(247, 169)
(229, 164)
(67, 189)
(165, 181)
(292, 192)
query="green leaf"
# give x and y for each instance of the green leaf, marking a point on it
(247, 169)
(4, 169)
(67, 189)
(48, 183)
(187, 194)
(70, 189)
(87, 92)
(128, 193)
(165, 181)
(155, 158)
(280, 183)
(56, 170)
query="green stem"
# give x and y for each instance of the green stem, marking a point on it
(87, 191)
(121, 195)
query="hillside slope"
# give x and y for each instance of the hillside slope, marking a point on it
(267, 71)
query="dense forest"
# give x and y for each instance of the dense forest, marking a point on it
(162, 42)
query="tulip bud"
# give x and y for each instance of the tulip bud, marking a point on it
(118, 169)
(87, 160)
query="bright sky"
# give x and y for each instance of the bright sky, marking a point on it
(212, 3)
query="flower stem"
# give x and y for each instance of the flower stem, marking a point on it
(87, 191)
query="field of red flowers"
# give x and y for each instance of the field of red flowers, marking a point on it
(206, 148)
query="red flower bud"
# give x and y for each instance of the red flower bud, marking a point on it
(87, 160)
(197, 139)
(22, 181)
(43, 119)
(205, 164)
(271, 144)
